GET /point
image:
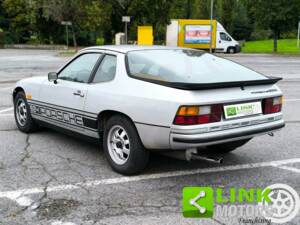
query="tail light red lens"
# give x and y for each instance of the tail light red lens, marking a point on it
(192, 115)
(272, 105)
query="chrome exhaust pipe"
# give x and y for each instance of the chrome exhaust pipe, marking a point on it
(192, 154)
(208, 158)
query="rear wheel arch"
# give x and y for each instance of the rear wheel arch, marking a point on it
(105, 115)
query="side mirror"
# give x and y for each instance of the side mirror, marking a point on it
(52, 76)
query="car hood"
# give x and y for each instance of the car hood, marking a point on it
(37, 79)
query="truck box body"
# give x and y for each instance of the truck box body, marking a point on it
(197, 34)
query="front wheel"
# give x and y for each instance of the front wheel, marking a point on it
(22, 113)
(231, 50)
(227, 147)
(123, 147)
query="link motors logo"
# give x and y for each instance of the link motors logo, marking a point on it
(284, 204)
(277, 203)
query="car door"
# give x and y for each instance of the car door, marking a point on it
(67, 95)
(224, 41)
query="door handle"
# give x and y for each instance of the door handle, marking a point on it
(78, 93)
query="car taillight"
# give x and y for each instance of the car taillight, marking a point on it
(272, 105)
(192, 115)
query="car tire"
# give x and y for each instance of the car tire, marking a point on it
(227, 147)
(22, 114)
(231, 50)
(123, 147)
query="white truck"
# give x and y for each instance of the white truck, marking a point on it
(200, 34)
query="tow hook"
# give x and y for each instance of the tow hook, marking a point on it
(271, 134)
(193, 154)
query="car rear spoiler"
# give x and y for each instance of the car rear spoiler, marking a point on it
(206, 86)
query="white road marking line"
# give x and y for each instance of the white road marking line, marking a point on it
(20, 198)
(18, 193)
(293, 169)
(6, 110)
(62, 223)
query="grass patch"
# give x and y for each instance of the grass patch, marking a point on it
(285, 46)
(67, 53)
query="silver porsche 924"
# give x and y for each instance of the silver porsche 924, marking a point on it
(139, 99)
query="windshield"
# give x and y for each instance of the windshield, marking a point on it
(186, 66)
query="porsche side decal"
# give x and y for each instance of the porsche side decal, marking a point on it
(60, 115)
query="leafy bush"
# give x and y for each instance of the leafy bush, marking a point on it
(260, 34)
(1, 38)
(100, 41)
(33, 40)
(289, 35)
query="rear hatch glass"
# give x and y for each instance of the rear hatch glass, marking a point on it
(190, 69)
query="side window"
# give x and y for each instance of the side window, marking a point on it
(106, 70)
(224, 37)
(80, 69)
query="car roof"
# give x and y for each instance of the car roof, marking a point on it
(127, 48)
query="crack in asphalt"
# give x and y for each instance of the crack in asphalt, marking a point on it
(26, 155)
(34, 204)
(69, 161)
(44, 168)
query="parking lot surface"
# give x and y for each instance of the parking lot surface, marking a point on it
(51, 178)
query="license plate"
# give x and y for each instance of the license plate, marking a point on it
(241, 110)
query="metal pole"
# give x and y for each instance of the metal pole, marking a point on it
(298, 36)
(126, 40)
(67, 38)
(211, 25)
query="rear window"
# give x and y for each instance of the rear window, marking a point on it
(186, 66)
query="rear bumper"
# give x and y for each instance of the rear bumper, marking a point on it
(189, 138)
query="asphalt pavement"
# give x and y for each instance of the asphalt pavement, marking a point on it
(51, 178)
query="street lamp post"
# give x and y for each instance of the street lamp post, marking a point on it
(298, 36)
(67, 23)
(126, 19)
(211, 25)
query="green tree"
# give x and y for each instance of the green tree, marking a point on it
(3, 20)
(201, 9)
(277, 15)
(241, 27)
(21, 14)
(227, 13)
(150, 12)
(178, 9)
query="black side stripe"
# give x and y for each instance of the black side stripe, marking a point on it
(34, 101)
(69, 124)
(66, 117)
(69, 111)
(90, 123)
